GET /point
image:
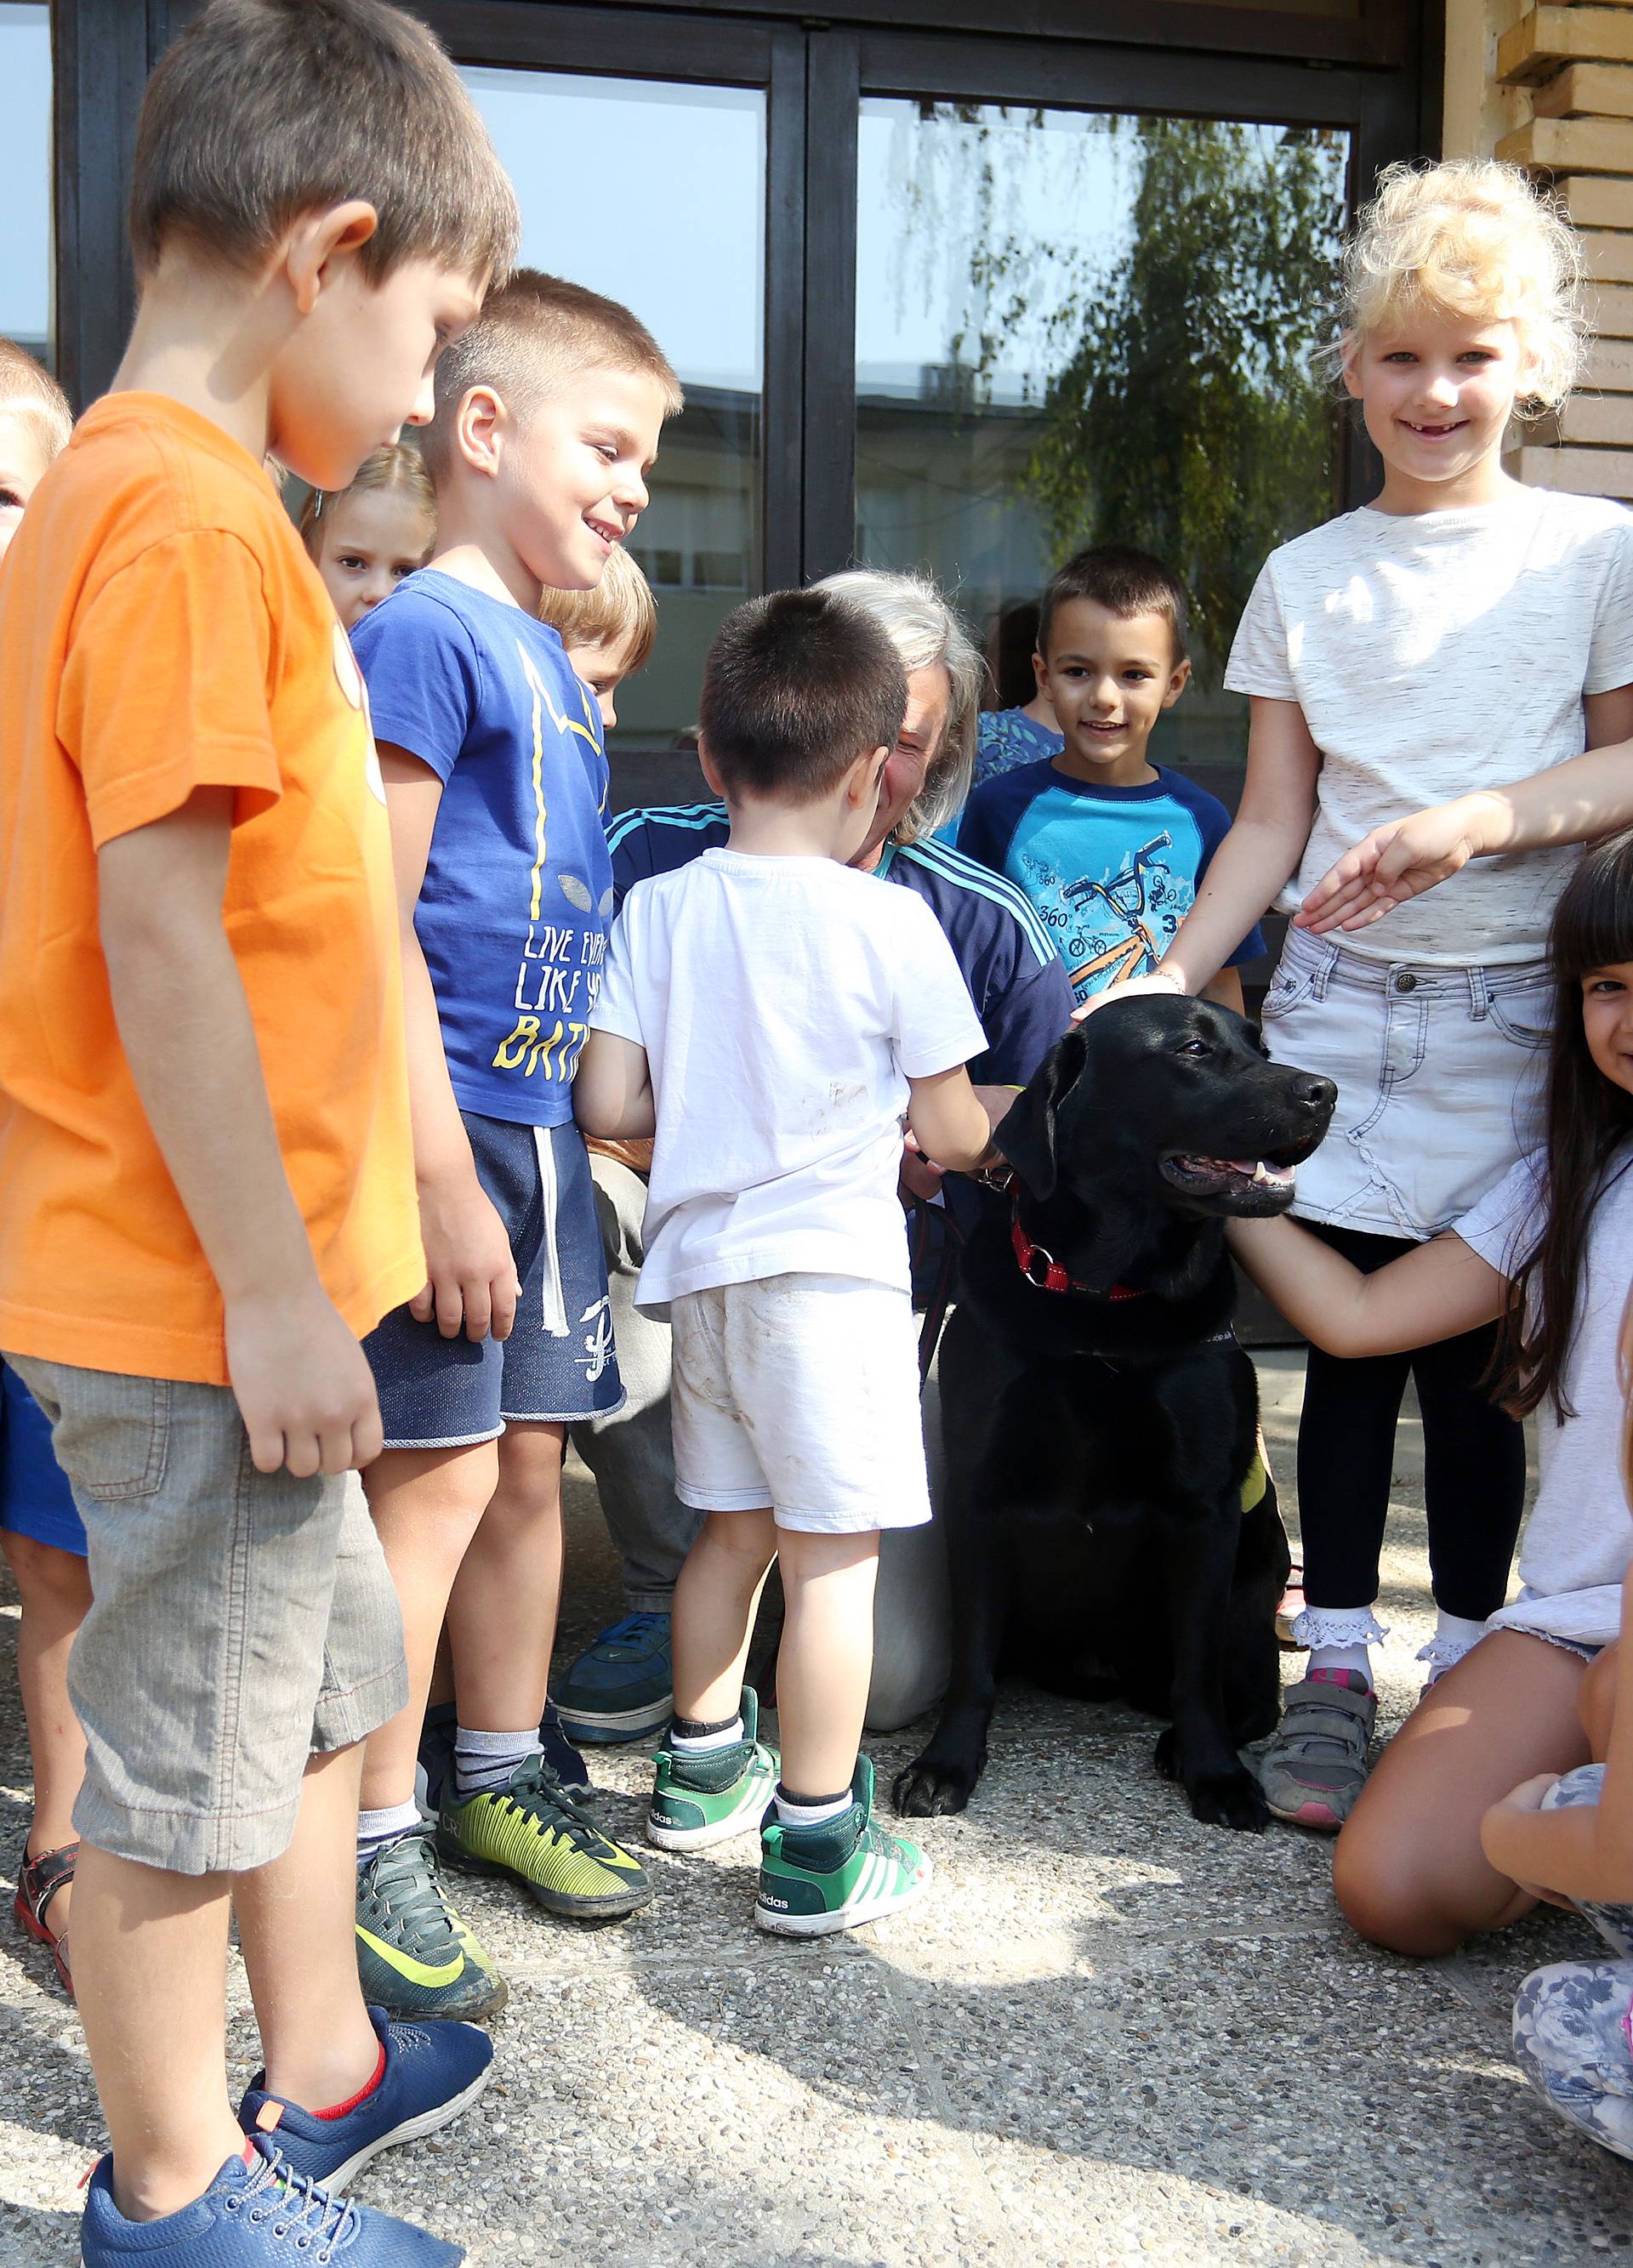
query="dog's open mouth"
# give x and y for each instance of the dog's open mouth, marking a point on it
(1222, 1177)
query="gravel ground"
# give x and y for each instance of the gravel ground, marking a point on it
(1111, 2036)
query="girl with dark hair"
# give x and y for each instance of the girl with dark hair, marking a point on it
(1549, 1254)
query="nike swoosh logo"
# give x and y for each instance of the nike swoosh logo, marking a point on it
(414, 1972)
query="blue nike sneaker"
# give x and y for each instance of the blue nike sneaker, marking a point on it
(258, 2213)
(433, 2073)
(622, 1687)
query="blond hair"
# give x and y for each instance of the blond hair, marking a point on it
(396, 469)
(536, 332)
(1471, 237)
(27, 387)
(619, 613)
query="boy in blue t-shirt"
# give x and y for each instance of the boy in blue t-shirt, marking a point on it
(1109, 847)
(548, 414)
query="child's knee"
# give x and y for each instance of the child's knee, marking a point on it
(1395, 1896)
(46, 1574)
(747, 1538)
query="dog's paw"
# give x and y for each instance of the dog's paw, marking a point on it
(1165, 1756)
(931, 1789)
(1229, 1800)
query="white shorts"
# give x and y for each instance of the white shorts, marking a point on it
(801, 1392)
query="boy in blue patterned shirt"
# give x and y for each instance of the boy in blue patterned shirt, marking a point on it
(1109, 847)
(547, 421)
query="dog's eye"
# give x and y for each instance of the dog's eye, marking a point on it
(1194, 1047)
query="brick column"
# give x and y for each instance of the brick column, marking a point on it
(1558, 97)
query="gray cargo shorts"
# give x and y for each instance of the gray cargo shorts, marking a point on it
(240, 1621)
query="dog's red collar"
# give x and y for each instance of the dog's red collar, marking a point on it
(1054, 1278)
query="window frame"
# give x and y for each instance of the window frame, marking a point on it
(1376, 75)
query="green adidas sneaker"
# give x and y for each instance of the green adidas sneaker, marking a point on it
(697, 1800)
(533, 1831)
(416, 1956)
(848, 1871)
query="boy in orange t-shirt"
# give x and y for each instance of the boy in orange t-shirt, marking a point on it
(206, 1187)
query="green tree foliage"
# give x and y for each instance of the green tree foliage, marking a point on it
(1191, 412)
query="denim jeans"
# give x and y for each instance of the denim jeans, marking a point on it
(1440, 1075)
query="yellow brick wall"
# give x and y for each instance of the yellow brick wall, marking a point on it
(1551, 87)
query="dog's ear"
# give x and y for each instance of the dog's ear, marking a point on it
(1025, 1134)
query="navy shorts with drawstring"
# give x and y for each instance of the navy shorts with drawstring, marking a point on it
(560, 1365)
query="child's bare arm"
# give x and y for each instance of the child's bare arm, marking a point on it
(1586, 1850)
(1264, 846)
(1436, 1291)
(1589, 796)
(949, 1122)
(1226, 988)
(302, 1382)
(613, 1092)
(471, 1268)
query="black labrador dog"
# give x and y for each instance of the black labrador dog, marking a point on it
(1099, 1416)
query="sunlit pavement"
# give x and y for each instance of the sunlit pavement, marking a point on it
(1111, 2035)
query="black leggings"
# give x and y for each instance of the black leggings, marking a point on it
(1473, 1461)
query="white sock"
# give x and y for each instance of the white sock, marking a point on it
(1455, 1635)
(484, 1761)
(376, 1829)
(810, 1814)
(727, 1736)
(1341, 1657)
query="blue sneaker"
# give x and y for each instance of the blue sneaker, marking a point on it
(622, 1687)
(258, 2213)
(433, 2073)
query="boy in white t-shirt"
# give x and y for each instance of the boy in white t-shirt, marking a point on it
(773, 1018)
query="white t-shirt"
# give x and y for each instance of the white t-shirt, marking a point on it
(1579, 1537)
(784, 1003)
(1434, 653)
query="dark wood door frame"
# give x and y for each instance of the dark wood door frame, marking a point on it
(1375, 74)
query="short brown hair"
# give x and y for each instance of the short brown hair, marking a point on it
(533, 334)
(1125, 582)
(395, 469)
(266, 109)
(619, 613)
(27, 387)
(796, 687)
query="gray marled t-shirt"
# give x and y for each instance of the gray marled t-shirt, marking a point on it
(1434, 653)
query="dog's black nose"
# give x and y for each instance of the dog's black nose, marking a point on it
(1314, 1093)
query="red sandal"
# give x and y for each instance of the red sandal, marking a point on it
(39, 1881)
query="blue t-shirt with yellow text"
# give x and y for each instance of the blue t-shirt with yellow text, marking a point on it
(513, 910)
(1111, 872)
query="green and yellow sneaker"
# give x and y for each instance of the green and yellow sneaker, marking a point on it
(697, 1800)
(533, 1831)
(416, 1956)
(848, 1871)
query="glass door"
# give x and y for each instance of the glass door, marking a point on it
(654, 194)
(1078, 327)
(25, 249)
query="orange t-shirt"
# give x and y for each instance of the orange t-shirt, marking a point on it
(162, 631)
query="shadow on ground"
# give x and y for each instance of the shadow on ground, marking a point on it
(1110, 2037)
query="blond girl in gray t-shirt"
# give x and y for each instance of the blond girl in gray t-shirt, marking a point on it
(1458, 632)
